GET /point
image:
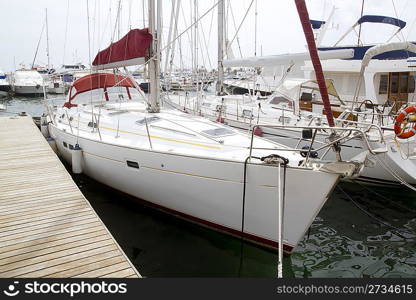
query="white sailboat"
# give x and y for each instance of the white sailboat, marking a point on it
(187, 165)
(28, 83)
(4, 84)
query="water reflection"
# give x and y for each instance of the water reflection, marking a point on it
(372, 239)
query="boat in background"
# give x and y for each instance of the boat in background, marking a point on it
(4, 85)
(28, 83)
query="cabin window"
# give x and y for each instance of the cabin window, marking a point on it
(306, 96)
(411, 84)
(247, 113)
(71, 147)
(65, 145)
(281, 100)
(147, 120)
(284, 120)
(404, 82)
(217, 132)
(394, 89)
(384, 83)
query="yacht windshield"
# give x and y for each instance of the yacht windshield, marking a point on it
(112, 94)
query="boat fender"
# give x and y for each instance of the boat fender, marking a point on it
(258, 131)
(404, 117)
(52, 143)
(44, 126)
(77, 160)
(312, 154)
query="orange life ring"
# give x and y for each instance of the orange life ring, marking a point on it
(398, 130)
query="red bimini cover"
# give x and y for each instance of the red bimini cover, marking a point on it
(125, 51)
(97, 81)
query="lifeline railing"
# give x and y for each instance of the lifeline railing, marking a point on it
(338, 139)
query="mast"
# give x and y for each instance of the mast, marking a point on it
(310, 39)
(255, 29)
(220, 79)
(196, 54)
(171, 26)
(175, 34)
(154, 54)
(47, 38)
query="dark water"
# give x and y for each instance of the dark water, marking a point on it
(361, 232)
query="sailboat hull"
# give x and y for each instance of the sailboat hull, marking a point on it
(206, 190)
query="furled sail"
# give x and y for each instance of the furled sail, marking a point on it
(128, 51)
(286, 59)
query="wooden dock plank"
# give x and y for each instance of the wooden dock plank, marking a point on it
(82, 265)
(47, 227)
(30, 247)
(105, 271)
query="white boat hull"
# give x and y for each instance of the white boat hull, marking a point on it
(28, 90)
(208, 191)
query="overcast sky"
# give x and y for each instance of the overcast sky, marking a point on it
(279, 29)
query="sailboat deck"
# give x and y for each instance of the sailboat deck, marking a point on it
(47, 227)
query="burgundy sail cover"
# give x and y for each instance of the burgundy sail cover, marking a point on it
(133, 45)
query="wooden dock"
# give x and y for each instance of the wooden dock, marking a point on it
(47, 227)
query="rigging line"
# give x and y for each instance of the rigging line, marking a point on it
(93, 27)
(397, 16)
(210, 27)
(239, 27)
(116, 23)
(359, 31)
(66, 31)
(189, 34)
(129, 19)
(89, 58)
(187, 29)
(377, 219)
(105, 25)
(238, 39)
(206, 46)
(201, 47)
(255, 30)
(37, 47)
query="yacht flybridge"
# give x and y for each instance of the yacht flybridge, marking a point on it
(184, 164)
